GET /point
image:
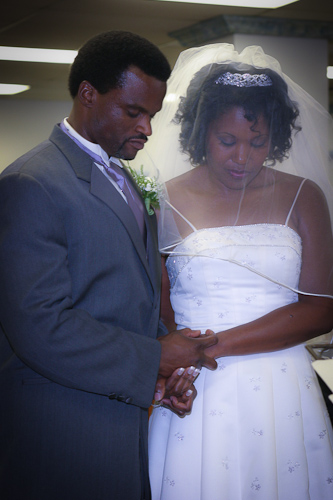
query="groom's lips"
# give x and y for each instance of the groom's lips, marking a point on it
(137, 143)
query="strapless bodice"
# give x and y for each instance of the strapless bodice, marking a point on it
(219, 276)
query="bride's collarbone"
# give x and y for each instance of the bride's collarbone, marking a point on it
(217, 213)
(216, 208)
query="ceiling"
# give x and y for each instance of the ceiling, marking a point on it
(67, 24)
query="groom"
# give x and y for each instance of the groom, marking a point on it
(80, 291)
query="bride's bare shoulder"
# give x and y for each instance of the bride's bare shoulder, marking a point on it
(286, 179)
(311, 209)
(294, 182)
(182, 183)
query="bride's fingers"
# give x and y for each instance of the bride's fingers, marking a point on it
(183, 405)
(180, 407)
(181, 380)
(178, 383)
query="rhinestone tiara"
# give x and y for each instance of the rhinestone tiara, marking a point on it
(244, 80)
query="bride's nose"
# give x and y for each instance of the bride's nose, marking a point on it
(241, 153)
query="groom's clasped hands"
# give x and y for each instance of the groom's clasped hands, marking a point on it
(186, 347)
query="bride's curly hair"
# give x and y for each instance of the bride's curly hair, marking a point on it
(206, 100)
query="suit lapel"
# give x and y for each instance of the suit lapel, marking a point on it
(79, 160)
(105, 191)
(153, 255)
(100, 187)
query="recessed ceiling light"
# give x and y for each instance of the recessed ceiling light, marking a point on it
(37, 55)
(330, 72)
(11, 88)
(263, 4)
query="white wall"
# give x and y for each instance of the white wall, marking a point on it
(24, 124)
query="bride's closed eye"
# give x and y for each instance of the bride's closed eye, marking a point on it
(227, 140)
(260, 142)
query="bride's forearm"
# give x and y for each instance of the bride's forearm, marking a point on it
(285, 327)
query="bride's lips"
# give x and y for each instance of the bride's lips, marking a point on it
(238, 174)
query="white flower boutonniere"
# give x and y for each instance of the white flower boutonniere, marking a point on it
(149, 187)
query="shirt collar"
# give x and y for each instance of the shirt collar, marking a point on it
(95, 148)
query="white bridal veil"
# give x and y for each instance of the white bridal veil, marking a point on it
(310, 155)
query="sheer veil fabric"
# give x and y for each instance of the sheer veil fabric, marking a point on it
(243, 235)
(308, 157)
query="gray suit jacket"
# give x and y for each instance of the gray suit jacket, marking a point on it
(79, 314)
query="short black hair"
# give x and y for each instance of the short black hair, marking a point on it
(206, 100)
(103, 59)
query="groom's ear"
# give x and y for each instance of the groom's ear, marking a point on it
(87, 94)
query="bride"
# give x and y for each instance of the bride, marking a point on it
(248, 236)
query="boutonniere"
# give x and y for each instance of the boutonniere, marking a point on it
(149, 187)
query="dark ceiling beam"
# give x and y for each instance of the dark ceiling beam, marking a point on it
(221, 26)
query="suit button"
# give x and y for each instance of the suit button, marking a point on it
(113, 395)
(124, 399)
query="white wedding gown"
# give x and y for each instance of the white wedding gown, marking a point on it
(259, 428)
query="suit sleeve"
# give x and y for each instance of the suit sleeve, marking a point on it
(55, 339)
